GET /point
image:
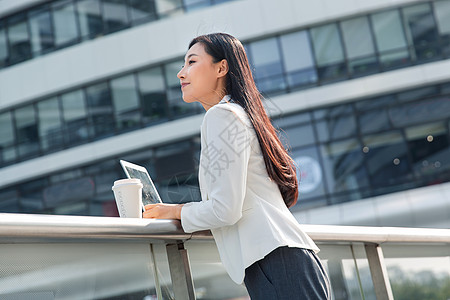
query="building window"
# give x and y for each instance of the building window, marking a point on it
(100, 110)
(90, 18)
(126, 102)
(50, 125)
(7, 139)
(153, 95)
(115, 15)
(27, 131)
(142, 11)
(65, 23)
(42, 38)
(390, 39)
(328, 52)
(298, 60)
(266, 59)
(361, 57)
(75, 118)
(19, 40)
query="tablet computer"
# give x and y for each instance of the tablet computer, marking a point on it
(149, 193)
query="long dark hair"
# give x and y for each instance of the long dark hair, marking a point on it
(241, 86)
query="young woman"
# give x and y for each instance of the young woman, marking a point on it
(247, 180)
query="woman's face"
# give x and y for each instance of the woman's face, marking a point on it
(199, 77)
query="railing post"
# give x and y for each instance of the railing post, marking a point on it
(180, 272)
(382, 286)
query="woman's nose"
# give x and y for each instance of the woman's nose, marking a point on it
(180, 74)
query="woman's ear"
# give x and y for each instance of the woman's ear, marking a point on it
(222, 68)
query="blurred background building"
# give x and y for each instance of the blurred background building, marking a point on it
(360, 91)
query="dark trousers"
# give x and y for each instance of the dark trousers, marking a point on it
(288, 274)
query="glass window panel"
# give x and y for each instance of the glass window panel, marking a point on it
(390, 38)
(6, 129)
(126, 102)
(100, 110)
(75, 116)
(429, 145)
(386, 157)
(167, 8)
(177, 106)
(65, 23)
(297, 136)
(328, 51)
(31, 196)
(143, 10)
(361, 56)
(266, 58)
(442, 14)
(90, 18)
(191, 5)
(419, 93)
(27, 131)
(339, 127)
(115, 14)
(373, 121)
(344, 166)
(420, 111)
(4, 53)
(124, 94)
(378, 102)
(327, 44)
(421, 31)
(50, 126)
(309, 174)
(153, 95)
(290, 120)
(298, 61)
(41, 31)
(19, 41)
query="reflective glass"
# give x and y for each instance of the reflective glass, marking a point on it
(421, 31)
(429, 145)
(19, 41)
(7, 138)
(442, 14)
(142, 10)
(386, 158)
(126, 102)
(3, 46)
(297, 136)
(99, 104)
(177, 106)
(65, 23)
(298, 60)
(390, 38)
(373, 121)
(336, 128)
(361, 56)
(41, 31)
(50, 125)
(31, 197)
(167, 8)
(153, 95)
(75, 117)
(328, 51)
(309, 174)
(115, 15)
(27, 131)
(344, 166)
(90, 18)
(191, 5)
(266, 60)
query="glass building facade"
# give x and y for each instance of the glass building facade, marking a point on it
(347, 151)
(282, 63)
(59, 24)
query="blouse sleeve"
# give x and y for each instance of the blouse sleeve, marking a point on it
(224, 162)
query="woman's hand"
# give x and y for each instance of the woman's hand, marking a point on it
(162, 211)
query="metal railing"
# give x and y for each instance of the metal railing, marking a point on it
(30, 228)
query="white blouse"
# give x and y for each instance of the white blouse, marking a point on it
(240, 204)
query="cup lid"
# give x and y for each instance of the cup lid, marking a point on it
(128, 181)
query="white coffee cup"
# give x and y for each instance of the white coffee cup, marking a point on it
(128, 194)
